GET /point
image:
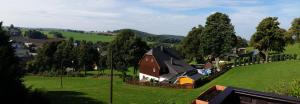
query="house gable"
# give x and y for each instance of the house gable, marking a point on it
(149, 66)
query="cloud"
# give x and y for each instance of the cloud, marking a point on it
(154, 16)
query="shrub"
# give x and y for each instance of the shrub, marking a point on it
(287, 88)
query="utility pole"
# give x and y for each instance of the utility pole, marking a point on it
(111, 77)
(61, 74)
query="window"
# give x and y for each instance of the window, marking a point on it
(146, 59)
(151, 60)
(153, 69)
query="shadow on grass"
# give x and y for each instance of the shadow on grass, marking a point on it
(70, 97)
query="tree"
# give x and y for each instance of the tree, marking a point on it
(44, 59)
(189, 46)
(35, 34)
(241, 42)
(218, 35)
(102, 48)
(122, 50)
(268, 36)
(82, 55)
(10, 73)
(295, 29)
(56, 34)
(138, 49)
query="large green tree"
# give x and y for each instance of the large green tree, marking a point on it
(295, 29)
(268, 36)
(190, 45)
(125, 50)
(218, 35)
(44, 59)
(11, 89)
(137, 51)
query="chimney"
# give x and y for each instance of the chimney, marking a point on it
(172, 61)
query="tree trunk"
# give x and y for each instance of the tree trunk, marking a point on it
(217, 63)
(267, 55)
(135, 70)
(84, 70)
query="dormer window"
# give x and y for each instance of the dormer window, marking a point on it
(153, 69)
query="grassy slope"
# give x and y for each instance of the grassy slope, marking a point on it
(85, 36)
(293, 49)
(259, 77)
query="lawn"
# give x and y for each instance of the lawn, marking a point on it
(85, 36)
(96, 90)
(293, 49)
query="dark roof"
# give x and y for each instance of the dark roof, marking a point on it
(193, 74)
(235, 95)
(168, 59)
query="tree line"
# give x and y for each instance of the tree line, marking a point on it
(124, 51)
(218, 37)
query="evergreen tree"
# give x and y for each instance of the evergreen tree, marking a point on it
(11, 89)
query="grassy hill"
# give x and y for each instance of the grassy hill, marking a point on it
(92, 90)
(293, 49)
(84, 36)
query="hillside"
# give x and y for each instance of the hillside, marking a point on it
(149, 36)
(85, 36)
(107, 37)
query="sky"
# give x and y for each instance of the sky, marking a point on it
(176, 17)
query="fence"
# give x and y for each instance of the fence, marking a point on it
(158, 84)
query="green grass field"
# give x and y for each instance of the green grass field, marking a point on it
(293, 49)
(96, 90)
(84, 36)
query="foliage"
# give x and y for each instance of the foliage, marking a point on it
(56, 56)
(34, 34)
(218, 35)
(268, 36)
(13, 31)
(241, 42)
(287, 88)
(44, 59)
(56, 34)
(125, 50)
(10, 72)
(190, 45)
(295, 29)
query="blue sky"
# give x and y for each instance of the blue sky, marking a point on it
(154, 16)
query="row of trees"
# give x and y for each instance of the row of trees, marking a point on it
(34, 34)
(124, 51)
(218, 37)
(79, 55)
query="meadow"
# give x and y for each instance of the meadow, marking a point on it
(93, 37)
(92, 90)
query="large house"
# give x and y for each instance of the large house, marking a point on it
(164, 65)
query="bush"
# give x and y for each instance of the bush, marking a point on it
(37, 96)
(287, 88)
(35, 34)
